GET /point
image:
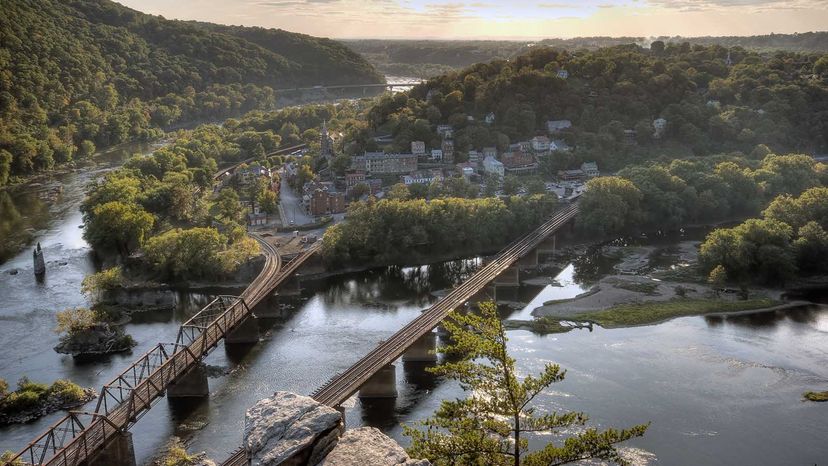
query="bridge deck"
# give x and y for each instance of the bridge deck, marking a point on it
(123, 401)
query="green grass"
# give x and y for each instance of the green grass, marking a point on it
(540, 325)
(30, 394)
(816, 396)
(625, 315)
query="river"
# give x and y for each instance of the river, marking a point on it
(717, 390)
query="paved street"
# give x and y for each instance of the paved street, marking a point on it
(292, 206)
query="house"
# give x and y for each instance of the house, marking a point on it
(380, 163)
(556, 126)
(563, 74)
(493, 166)
(354, 177)
(437, 154)
(445, 131)
(519, 163)
(540, 144)
(466, 169)
(249, 174)
(571, 175)
(326, 142)
(559, 145)
(590, 169)
(322, 198)
(660, 126)
(256, 217)
(418, 148)
(490, 118)
(475, 157)
(490, 152)
(448, 151)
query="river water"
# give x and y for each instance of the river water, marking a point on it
(716, 390)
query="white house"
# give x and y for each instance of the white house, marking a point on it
(660, 126)
(494, 166)
(559, 145)
(556, 126)
(490, 152)
(437, 154)
(563, 74)
(490, 118)
(445, 131)
(474, 157)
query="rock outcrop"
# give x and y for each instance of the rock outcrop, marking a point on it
(368, 445)
(290, 429)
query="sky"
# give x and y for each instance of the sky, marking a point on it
(499, 19)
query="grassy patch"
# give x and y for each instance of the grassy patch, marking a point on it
(651, 312)
(29, 395)
(816, 396)
(647, 288)
(540, 325)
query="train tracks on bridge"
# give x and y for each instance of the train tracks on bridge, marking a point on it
(79, 436)
(342, 386)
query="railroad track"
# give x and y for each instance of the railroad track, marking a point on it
(342, 386)
(123, 401)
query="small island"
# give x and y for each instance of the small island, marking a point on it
(33, 400)
(816, 396)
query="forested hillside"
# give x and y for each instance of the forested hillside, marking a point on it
(613, 97)
(77, 74)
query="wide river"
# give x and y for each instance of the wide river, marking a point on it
(718, 391)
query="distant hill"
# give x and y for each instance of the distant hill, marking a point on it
(75, 74)
(427, 58)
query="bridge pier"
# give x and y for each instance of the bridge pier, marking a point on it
(509, 277)
(528, 261)
(549, 245)
(383, 384)
(191, 384)
(247, 332)
(423, 349)
(119, 451)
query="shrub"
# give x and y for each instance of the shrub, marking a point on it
(4, 389)
(102, 281)
(67, 391)
(75, 320)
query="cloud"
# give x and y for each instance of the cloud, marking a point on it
(756, 5)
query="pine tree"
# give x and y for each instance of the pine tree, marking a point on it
(490, 425)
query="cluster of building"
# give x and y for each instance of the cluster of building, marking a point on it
(248, 175)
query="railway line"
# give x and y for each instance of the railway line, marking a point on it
(342, 386)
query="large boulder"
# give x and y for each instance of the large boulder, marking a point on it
(367, 445)
(290, 429)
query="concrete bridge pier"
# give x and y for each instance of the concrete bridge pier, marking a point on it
(423, 349)
(118, 451)
(549, 245)
(528, 261)
(487, 293)
(245, 333)
(509, 277)
(192, 384)
(383, 384)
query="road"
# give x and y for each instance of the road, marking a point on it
(292, 206)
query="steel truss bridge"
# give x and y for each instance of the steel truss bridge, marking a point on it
(80, 436)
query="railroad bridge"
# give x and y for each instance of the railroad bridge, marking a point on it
(102, 438)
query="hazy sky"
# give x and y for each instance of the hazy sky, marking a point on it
(498, 19)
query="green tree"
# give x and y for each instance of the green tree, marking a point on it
(119, 226)
(268, 201)
(229, 206)
(398, 192)
(490, 426)
(511, 185)
(610, 206)
(811, 248)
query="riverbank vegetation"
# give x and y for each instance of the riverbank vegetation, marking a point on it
(100, 74)
(492, 425)
(789, 241)
(816, 396)
(32, 400)
(668, 196)
(90, 332)
(651, 312)
(405, 231)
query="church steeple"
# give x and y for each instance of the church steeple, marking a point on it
(728, 60)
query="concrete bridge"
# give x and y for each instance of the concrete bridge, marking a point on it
(102, 438)
(374, 376)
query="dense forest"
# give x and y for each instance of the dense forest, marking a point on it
(81, 74)
(613, 97)
(429, 58)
